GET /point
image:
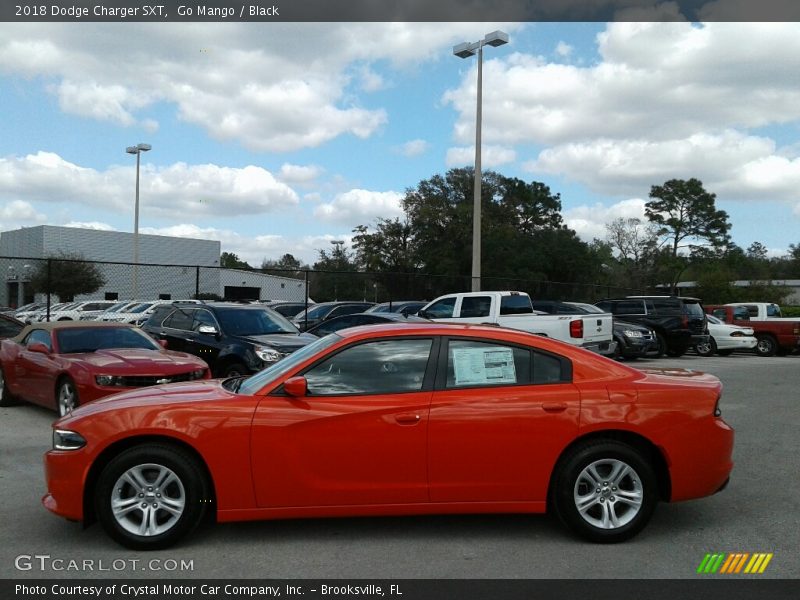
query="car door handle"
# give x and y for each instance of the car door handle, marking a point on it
(554, 407)
(407, 419)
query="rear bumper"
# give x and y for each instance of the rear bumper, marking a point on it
(604, 348)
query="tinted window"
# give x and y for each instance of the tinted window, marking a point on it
(346, 310)
(443, 309)
(391, 366)
(72, 341)
(740, 313)
(9, 328)
(180, 319)
(548, 369)
(628, 307)
(472, 362)
(516, 304)
(39, 336)
(666, 305)
(475, 306)
(245, 321)
(203, 317)
(693, 309)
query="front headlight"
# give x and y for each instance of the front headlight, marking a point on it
(108, 380)
(64, 439)
(268, 354)
(632, 334)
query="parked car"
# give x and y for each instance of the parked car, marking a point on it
(113, 309)
(141, 311)
(33, 314)
(327, 310)
(405, 307)
(633, 340)
(60, 365)
(678, 322)
(286, 308)
(10, 326)
(358, 319)
(234, 339)
(76, 310)
(763, 311)
(773, 336)
(397, 420)
(724, 338)
(515, 310)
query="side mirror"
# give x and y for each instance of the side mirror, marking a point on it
(296, 386)
(39, 347)
(162, 343)
(207, 329)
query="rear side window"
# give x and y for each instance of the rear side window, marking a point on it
(628, 307)
(516, 304)
(773, 310)
(475, 306)
(693, 309)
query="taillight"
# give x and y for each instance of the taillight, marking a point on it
(685, 322)
(576, 329)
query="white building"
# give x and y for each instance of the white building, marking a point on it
(169, 268)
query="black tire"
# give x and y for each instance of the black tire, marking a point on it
(706, 349)
(234, 369)
(572, 481)
(67, 398)
(186, 482)
(766, 346)
(6, 397)
(661, 349)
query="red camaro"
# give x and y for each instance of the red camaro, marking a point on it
(397, 419)
(60, 365)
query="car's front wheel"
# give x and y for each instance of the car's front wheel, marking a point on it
(66, 397)
(605, 491)
(150, 496)
(6, 397)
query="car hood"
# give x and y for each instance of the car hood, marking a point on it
(620, 325)
(137, 361)
(282, 342)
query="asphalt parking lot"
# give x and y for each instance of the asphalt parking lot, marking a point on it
(758, 512)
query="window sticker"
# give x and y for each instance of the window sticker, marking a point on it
(484, 365)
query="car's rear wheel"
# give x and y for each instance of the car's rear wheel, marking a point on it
(66, 397)
(605, 491)
(150, 496)
(6, 397)
(766, 345)
(708, 348)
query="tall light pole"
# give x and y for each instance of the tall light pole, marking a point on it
(337, 249)
(137, 150)
(465, 50)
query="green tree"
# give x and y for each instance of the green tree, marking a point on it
(67, 275)
(286, 266)
(229, 260)
(687, 222)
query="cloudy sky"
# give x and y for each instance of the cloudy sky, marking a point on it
(275, 137)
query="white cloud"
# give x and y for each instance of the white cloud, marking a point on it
(271, 87)
(491, 156)
(299, 174)
(360, 207)
(589, 222)
(564, 50)
(97, 225)
(169, 191)
(414, 148)
(20, 211)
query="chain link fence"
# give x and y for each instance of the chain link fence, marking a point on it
(55, 280)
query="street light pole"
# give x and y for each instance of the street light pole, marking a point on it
(465, 50)
(137, 150)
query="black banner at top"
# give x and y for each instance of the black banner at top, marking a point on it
(397, 10)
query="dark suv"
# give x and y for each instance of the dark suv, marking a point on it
(322, 311)
(679, 322)
(234, 339)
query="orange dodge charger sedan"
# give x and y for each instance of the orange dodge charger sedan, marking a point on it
(400, 419)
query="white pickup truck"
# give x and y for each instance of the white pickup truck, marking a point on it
(763, 311)
(514, 310)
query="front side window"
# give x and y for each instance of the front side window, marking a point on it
(443, 309)
(203, 317)
(180, 319)
(377, 367)
(39, 336)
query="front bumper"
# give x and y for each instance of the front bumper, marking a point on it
(64, 473)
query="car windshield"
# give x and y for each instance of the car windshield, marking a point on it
(91, 339)
(713, 319)
(140, 307)
(314, 312)
(283, 366)
(248, 321)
